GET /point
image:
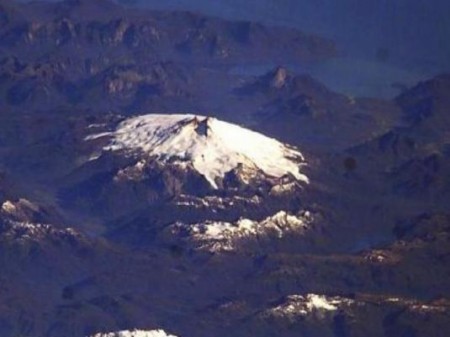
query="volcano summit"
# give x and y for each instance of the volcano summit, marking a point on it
(213, 147)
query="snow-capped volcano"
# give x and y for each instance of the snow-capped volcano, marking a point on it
(213, 147)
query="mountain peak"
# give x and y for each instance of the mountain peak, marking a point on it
(211, 146)
(202, 126)
(279, 77)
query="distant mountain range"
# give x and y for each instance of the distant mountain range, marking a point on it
(410, 33)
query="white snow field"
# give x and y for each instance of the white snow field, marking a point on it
(213, 147)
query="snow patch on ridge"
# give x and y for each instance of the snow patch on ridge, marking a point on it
(303, 305)
(212, 146)
(27, 231)
(134, 333)
(218, 236)
(8, 207)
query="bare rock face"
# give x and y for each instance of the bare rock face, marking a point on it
(280, 77)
